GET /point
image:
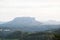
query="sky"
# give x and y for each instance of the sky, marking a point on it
(42, 10)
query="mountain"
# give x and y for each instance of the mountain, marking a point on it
(27, 24)
(25, 20)
(22, 23)
(2, 22)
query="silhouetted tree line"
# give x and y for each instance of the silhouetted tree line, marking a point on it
(54, 35)
(46, 35)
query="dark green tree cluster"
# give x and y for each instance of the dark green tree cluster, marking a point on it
(47, 35)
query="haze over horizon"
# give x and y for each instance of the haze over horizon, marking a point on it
(42, 10)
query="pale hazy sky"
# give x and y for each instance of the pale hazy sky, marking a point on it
(41, 9)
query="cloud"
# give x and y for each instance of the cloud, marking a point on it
(42, 9)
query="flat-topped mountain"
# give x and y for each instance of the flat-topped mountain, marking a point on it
(27, 24)
(25, 20)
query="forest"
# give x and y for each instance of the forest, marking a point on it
(45, 35)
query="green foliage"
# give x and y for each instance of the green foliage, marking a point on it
(16, 34)
(47, 35)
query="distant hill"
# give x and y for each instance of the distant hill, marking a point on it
(27, 24)
(51, 22)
